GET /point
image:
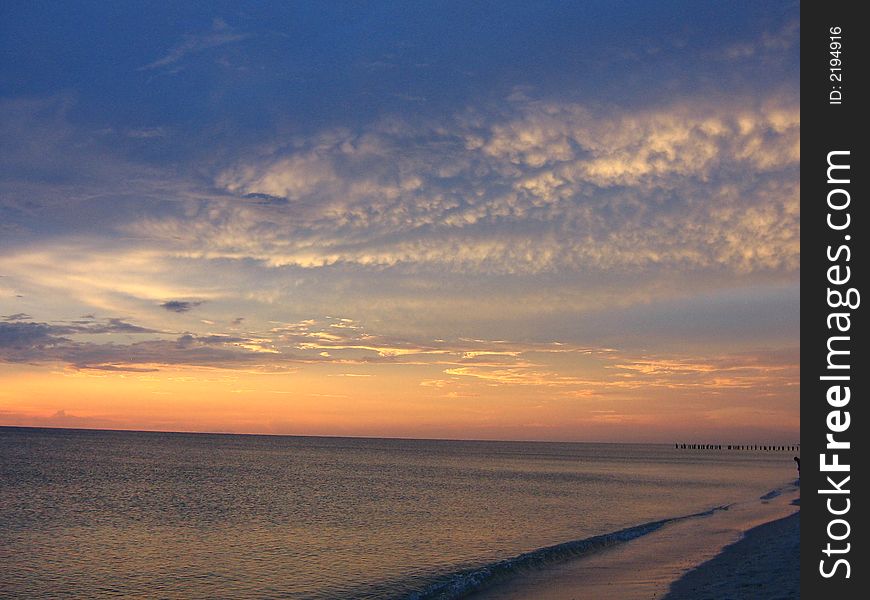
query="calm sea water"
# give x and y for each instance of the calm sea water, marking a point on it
(88, 514)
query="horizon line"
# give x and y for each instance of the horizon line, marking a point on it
(370, 437)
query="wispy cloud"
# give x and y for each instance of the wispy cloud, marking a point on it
(606, 372)
(334, 340)
(220, 34)
(16, 317)
(769, 43)
(34, 343)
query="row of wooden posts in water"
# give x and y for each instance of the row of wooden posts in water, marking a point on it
(775, 448)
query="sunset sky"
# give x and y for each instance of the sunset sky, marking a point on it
(499, 220)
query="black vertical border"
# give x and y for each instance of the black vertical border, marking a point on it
(827, 127)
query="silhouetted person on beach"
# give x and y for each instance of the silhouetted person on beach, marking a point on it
(798, 461)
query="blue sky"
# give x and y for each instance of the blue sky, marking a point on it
(242, 69)
(444, 178)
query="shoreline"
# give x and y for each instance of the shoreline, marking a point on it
(765, 563)
(682, 560)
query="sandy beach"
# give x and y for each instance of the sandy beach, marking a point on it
(747, 551)
(764, 564)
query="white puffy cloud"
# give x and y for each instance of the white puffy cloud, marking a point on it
(542, 187)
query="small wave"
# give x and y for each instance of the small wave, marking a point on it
(779, 491)
(462, 583)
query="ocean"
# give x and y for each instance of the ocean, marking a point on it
(99, 514)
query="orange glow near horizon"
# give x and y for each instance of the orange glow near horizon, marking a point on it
(396, 400)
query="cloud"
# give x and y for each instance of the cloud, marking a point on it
(540, 187)
(103, 275)
(34, 342)
(110, 325)
(25, 342)
(180, 306)
(17, 317)
(17, 336)
(219, 35)
(537, 206)
(60, 418)
(330, 340)
(145, 133)
(25, 335)
(551, 371)
(770, 44)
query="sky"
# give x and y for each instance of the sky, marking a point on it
(488, 220)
